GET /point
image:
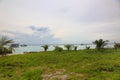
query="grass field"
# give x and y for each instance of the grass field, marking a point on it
(65, 65)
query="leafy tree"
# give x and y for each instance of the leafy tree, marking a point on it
(68, 46)
(45, 47)
(100, 43)
(4, 41)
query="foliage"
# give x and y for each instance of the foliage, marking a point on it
(87, 47)
(100, 43)
(75, 48)
(78, 65)
(68, 46)
(57, 48)
(45, 47)
(4, 41)
(117, 45)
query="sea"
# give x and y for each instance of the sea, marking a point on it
(38, 48)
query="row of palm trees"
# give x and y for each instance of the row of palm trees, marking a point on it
(58, 48)
(5, 41)
(99, 45)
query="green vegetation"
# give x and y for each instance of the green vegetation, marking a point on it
(87, 47)
(3, 42)
(67, 65)
(57, 48)
(45, 47)
(75, 48)
(68, 46)
(100, 43)
(117, 45)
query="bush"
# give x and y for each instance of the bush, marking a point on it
(68, 46)
(87, 47)
(57, 48)
(117, 45)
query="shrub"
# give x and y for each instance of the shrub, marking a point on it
(57, 48)
(87, 47)
(68, 46)
(117, 45)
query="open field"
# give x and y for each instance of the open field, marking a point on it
(65, 65)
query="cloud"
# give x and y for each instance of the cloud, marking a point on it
(39, 29)
(7, 34)
(91, 11)
(41, 35)
(65, 21)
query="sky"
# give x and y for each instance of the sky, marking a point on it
(60, 21)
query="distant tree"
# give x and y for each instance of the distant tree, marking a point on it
(100, 43)
(75, 48)
(116, 45)
(68, 47)
(45, 47)
(4, 41)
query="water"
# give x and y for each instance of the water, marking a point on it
(37, 48)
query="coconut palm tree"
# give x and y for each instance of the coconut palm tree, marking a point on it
(100, 43)
(45, 47)
(3, 42)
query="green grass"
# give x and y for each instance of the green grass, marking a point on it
(65, 65)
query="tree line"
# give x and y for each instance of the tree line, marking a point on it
(4, 49)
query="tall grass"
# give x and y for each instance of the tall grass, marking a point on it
(76, 65)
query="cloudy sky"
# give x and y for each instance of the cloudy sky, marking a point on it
(60, 21)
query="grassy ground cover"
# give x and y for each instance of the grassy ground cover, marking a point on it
(65, 65)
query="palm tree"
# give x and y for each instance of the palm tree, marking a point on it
(68, 47)
(3, 42)
(10, 49)
(45, 47)
(100, 43)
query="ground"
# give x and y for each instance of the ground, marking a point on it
(65, 65)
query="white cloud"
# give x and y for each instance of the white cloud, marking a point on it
(70, 20)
